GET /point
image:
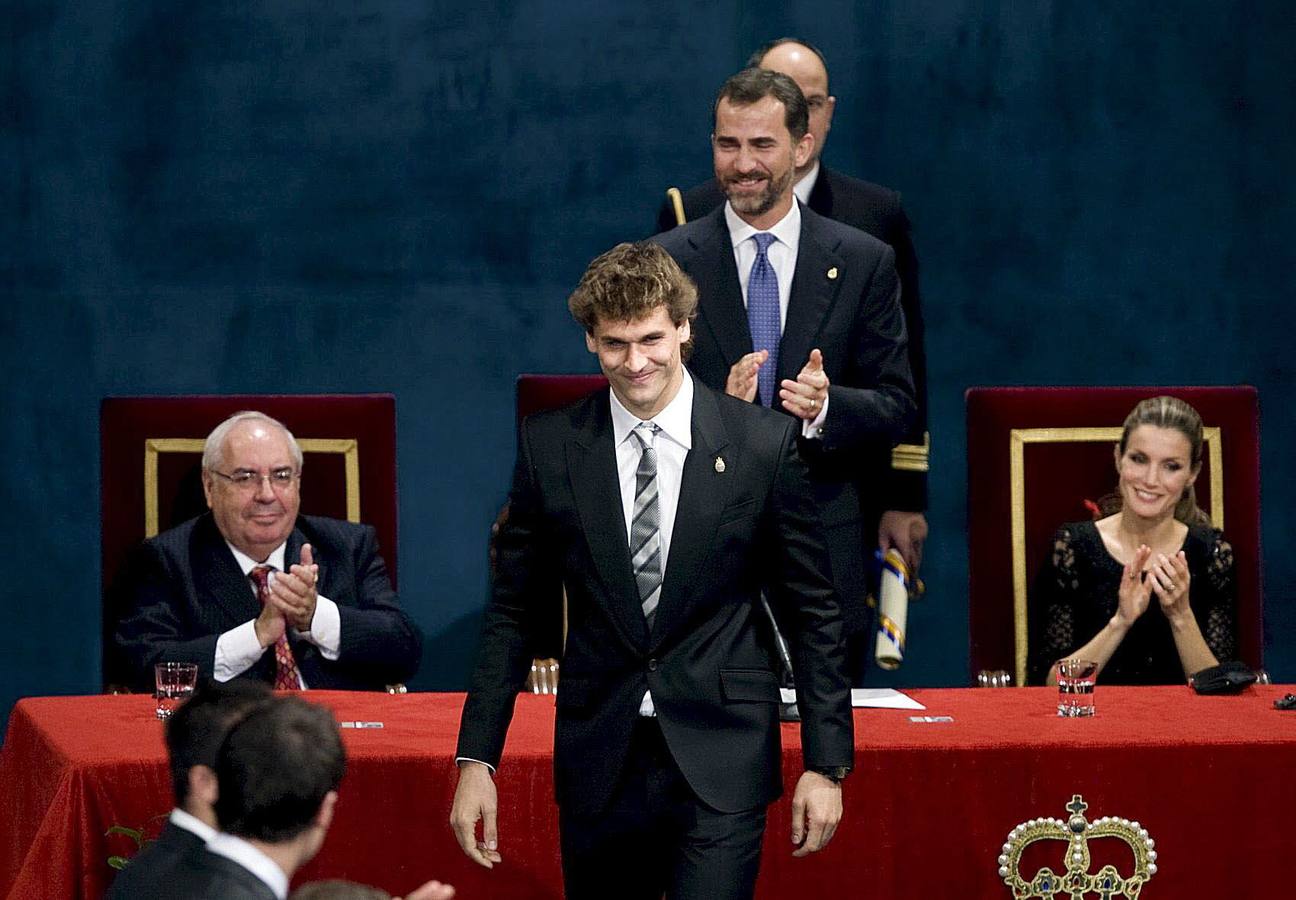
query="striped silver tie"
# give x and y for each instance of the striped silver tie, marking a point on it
(645, 525)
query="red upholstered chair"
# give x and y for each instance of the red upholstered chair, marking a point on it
(536, 393)
(1035, 455)
(151, 452)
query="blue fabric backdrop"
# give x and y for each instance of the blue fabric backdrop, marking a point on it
(397, 196)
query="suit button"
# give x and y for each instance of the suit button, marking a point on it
(652, 665)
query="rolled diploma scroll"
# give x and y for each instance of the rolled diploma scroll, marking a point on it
(893, 611)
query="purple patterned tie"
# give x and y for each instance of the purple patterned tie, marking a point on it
(763, 315)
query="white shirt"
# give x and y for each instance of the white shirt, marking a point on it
(192, 824)
(238, 649)
(782, 255)
(672, 443)
(252, 859)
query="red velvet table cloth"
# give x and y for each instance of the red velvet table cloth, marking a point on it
(927, 809)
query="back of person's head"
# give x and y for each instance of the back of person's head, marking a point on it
(336, 889)
(1176, 415)
(275, 769)
(196, 729)
(758, 55)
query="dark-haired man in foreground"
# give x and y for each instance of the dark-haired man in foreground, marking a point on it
(193, 736)
(664, 507)
(278, 772)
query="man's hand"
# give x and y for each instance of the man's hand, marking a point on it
(805, 397)
(433, 890)
(293, 592)
(816, 810)
(543, 677)
(741, 382)
(906, 532)
(270, 625)
(474, 801)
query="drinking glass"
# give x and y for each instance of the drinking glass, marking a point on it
(175, 681)
(1075, 681)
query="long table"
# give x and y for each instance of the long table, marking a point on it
(927, 809)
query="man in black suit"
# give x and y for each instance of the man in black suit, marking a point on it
(194, 734)
(277, 771)
(897, 497)
(801, 313)
(252, 589)
(664, 508)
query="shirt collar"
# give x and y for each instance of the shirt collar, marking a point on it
(252, 859)
(786, 229)
(192, 824)
(275, 560)
(803, 187)
(675, 421)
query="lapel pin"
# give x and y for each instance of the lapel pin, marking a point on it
(720, 467)
(832, 274)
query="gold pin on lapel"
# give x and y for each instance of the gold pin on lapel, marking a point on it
(720, 464)
(832, 273)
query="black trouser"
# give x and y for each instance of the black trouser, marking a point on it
(656, 837)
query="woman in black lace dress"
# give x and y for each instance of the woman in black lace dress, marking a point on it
(1148, 593)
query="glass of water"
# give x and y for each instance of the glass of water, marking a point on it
(1075, 681)
(175, 681)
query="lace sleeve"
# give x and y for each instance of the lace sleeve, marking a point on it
(1218, 614)
(1052, 608)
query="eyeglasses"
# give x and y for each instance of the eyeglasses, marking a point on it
(247, 480)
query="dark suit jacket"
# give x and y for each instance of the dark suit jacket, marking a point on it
(149, 872)
(843, 301)
(184, 589)
(709, 658)
(875, 210)
(202, 875)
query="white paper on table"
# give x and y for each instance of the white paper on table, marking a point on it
(876, 698)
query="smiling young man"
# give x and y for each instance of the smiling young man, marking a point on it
(254, 589)
(663, 507)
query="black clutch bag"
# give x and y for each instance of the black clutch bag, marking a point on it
(1226, 678)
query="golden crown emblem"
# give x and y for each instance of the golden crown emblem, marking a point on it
(1078, 882)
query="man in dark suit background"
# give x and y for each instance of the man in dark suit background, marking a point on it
(897, 499)
(194, 734)
(664, 508)
(799, 312)
(252, 589)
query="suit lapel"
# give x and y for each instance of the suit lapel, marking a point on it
(217, 576)
(703, 496)
(818, 275)
(724, 314)
(591, 468)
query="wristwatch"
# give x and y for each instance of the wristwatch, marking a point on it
(835, 774)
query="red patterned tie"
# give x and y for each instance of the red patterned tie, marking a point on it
(286, 678)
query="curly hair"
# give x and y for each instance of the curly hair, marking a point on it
(628, 282)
